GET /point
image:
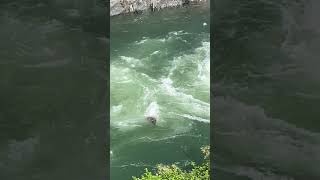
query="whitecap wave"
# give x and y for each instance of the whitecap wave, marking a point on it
(152, 110)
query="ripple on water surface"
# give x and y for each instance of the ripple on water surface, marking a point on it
(166, 77)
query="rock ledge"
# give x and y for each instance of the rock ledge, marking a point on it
(126, 6)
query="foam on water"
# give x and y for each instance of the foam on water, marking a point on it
(152, 110)
(147, 89)
(131, 61)
(195, 118)
(172, 97)
(204, 66)
(166, 76)
(116, 109)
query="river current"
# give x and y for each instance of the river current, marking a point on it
(266, 89)
(160, 67)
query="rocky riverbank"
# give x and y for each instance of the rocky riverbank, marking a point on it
(126, 6)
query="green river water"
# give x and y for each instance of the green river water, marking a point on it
(266, 89)
(53, 90)
(160, 66)
(53, 95)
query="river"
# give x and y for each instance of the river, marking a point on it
(160, 66)
(266, 89)
(53, 73)
(53, 90)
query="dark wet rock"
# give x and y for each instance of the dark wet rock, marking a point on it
(127, 6)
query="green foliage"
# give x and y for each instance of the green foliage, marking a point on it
(173, 172)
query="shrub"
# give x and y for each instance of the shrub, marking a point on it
(173, 172)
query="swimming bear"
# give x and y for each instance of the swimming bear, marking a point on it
(152, 113)
(153, 120)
